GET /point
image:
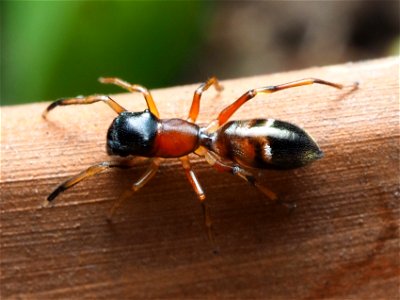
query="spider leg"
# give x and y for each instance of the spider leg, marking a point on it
(191, 176)
(195, 107)
(85, 100)
(141, 182)
(228, 111)
(89, 172)
(133, 88)
(235, 169)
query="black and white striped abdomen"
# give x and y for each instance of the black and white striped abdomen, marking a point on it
(265, 143)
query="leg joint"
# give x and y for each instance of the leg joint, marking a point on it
(235, 170)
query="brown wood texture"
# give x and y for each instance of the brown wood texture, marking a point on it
(342, 241)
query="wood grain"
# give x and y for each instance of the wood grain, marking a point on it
(341, 242)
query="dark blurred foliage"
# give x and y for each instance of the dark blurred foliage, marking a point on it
(56, 49)
(249, 38)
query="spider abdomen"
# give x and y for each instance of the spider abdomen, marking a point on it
(265, 144)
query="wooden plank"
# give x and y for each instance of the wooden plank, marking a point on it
(342, 241)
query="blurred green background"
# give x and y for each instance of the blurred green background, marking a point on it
(58, 49)
(54, 49)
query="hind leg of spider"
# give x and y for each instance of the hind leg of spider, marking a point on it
(145, 178)
(89, 172)
(215, 162)
(191, 176)
(195, 107)
(133, 88)
(226, 113)
(85, 100)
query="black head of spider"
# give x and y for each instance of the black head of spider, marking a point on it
(132, 133)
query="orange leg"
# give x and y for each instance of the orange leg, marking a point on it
(141, 182)
(195, 108)
(214, 161)
(191, 176)
(134, 88)
(89, 172)
(85, 100)
(229, 111)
